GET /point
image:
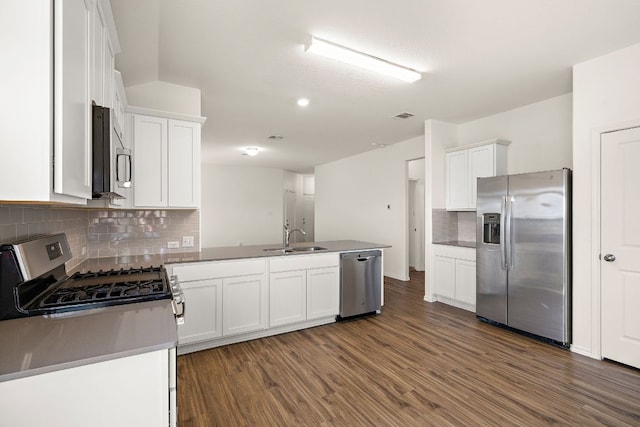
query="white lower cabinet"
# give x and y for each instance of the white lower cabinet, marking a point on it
(203, 319)
(444, 276)
(454, 276)
(128, 391)
(466, 281)
(238, 300)
(287, 297)
(299, 295)
(323, 292)
(244, 304)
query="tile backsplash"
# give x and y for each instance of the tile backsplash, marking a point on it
(450, 226)
(467, 226)
(19, 222)
(141, 232)
(102, 233)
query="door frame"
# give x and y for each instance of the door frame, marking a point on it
(596, 230)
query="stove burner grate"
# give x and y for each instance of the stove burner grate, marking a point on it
(109, 287)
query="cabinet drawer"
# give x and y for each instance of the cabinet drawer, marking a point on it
(457, 252)
(303, 262)
(215, 269)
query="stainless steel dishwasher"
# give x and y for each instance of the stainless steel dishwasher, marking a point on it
(360, 282)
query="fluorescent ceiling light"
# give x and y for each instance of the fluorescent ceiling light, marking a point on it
(359, 59)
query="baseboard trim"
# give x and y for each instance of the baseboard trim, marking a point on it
(397, 277)
(584, 352)
(204, 345)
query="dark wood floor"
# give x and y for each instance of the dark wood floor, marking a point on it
(415, 364)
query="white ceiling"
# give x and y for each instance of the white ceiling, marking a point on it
(479, 57)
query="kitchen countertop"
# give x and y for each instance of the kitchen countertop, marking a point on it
(40, 344)
(220, 254)
(460, 243)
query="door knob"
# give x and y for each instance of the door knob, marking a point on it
(609, 257)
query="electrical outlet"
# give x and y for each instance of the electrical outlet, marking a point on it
(187, 241)
(173, 245)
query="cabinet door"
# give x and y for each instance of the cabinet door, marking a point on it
(323, 292)
(287, 297)
(184, 164)
(465, 286)
(203, 314)
(150, 161)
(96, 68)
(458, 191)
(71, 113)
(244, 304)
(481, 164)
(107, 74)
(444, 276)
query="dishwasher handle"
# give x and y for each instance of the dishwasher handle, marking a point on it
(365, 258)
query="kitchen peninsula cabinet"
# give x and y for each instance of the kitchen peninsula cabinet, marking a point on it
(454, 276)
(237, 300)
(224, 298)
(166, 158)
(303, 288)
(203, 320)
(244, 304)
(465, 164)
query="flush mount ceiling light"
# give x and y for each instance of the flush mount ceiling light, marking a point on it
(250, 151)
(303, 102)
(360, 59)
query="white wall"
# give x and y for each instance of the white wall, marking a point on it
(164, 96)
(241, 205)
(540, 134)
(352, 195)
(606, 96)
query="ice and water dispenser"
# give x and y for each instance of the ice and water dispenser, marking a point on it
(491, 228)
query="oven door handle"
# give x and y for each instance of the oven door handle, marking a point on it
(177, 302)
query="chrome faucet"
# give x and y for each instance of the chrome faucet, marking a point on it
(287, 234)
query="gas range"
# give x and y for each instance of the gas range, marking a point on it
(33, 281)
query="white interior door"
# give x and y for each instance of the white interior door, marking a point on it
(620, 246)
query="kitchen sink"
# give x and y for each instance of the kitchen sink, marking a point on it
(296, 249)
(309, 249)
(278, 250)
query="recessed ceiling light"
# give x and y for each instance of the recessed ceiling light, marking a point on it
(360, 59)
(250, 151)
(303, 102)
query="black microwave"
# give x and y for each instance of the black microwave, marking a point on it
(111, 160)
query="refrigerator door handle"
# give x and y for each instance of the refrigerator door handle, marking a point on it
(503, 246)
(508, 234)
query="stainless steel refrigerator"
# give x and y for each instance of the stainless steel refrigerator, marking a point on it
(523, 253)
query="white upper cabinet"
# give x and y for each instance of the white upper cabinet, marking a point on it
(184, 164)
(47, 88)
(104, 44)
(166, 162)
(71, 111)
(464, 165)
(150, 161)
(458, 180)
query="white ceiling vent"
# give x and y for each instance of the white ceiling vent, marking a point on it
(403, 116)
